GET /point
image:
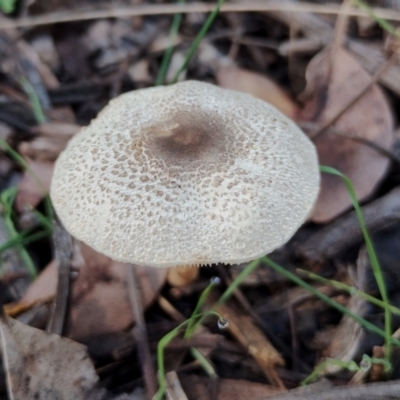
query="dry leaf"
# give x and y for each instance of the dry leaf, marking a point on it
(99, 301)
(30, 192)
(45, 286)
(370, 118)
(260, 86)
(45, 366)
(56, 130)
(42, 149)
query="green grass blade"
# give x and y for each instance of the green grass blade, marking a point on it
(34, 100)
(387, 26)
(191, 328)
(350, 365)
(298, 281)
(371, 254)
(7, 6)
(195, 44)
(176, 23)
(350, 289)
(23, 240)
(7, 199)
(164, 342)
(205, 364)
(237, 282)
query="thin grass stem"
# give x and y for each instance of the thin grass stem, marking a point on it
(376, 268)
(196, 42)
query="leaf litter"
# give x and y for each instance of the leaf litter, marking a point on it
(271, 56)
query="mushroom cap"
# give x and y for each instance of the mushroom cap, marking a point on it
(188, 174)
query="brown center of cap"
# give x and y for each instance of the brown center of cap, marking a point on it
(188, 136)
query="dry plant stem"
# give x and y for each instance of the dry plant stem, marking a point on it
(293, 337)
(63, 252)
(241, 299)
(346, 232)
(82, 14)
(174, 388)
(375, 78)
(342, 22)
(250, 337)
(140, 333)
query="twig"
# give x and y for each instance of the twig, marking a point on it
(63, 253)
(346, 232)
(174, 388)
(140, 332)
(293, 337)
(82, 14)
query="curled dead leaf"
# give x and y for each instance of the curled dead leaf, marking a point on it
(329, 89)
(45, 366)
(99, 300)
(231, 77)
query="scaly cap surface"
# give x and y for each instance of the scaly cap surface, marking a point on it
(186, 174)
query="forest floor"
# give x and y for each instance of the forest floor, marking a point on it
(317, 319)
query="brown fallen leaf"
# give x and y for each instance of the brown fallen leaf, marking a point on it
(231, 77)
(29, 190)
(42, 149)
(45, 366)
(99, 301)
(369, 118)
(57, 130)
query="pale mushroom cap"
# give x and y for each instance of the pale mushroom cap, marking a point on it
(186, 174)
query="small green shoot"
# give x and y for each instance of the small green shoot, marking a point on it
(23, 238)
(365, 365)
(165, 341)
(7, 6)
(7, 199)
(225, 296)
(383, 23)
(34, 100)
(191, 328)
(196, 42)
(25, 165)
(176, 23)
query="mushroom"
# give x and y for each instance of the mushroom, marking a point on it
(188, 174)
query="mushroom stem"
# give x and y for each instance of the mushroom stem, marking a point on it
(182, 275)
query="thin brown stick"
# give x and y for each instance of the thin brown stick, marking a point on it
(374, 79)
(293, 334)
(140, 333)
(63, 253)
(340, 32)
(160, 9)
